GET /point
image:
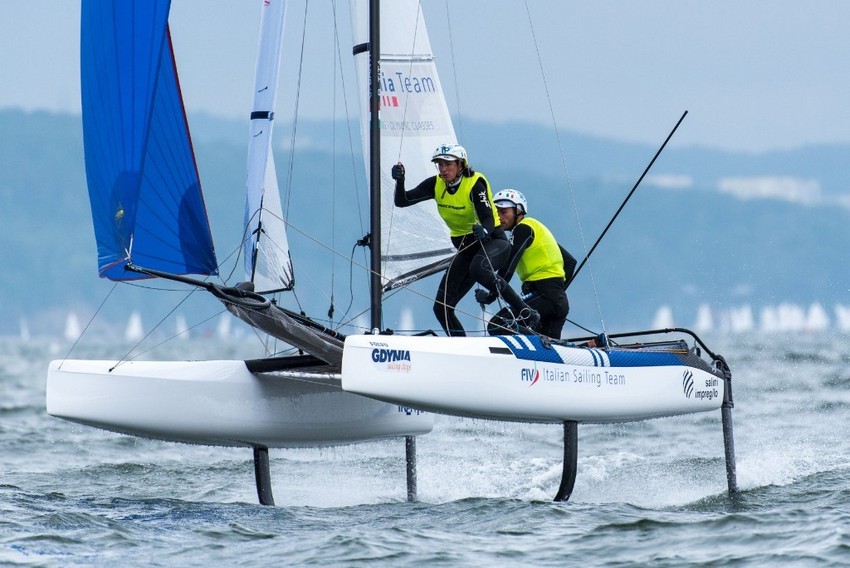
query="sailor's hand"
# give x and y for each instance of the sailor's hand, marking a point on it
(479, 232)
(484, 297)
(398, 172)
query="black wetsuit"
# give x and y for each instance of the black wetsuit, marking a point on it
(475, 261)
(547, 295)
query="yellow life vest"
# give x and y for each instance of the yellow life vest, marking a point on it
(543, 258)
(457, 209)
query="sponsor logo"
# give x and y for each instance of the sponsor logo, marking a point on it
(407, 82)
(529, 375)
(688, 384)
(410, 411)
(392, 359)
(691, 389)
(390, 355)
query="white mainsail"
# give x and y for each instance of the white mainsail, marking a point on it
(266, 249)
(414, 121)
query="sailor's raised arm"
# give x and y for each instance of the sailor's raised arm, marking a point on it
(421, 192)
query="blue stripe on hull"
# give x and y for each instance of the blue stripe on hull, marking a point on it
(627, 358)
(531, 348)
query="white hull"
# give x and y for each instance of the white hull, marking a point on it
(511, 379)
(221, 403)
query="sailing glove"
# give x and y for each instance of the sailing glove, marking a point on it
(479, 232)
(398, 172)
(485, 297)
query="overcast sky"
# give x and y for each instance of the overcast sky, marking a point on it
(755, 75)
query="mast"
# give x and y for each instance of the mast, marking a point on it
(375, 163)
(375, 208)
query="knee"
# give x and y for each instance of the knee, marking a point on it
(440, 308)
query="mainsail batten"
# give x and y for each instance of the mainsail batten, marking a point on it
(144, 187)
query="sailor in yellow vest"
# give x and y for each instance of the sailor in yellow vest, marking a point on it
(541, 263)
(465, 203)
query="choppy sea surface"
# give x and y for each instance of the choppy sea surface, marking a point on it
(647, 493)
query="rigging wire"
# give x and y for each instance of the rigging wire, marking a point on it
(454, 71)
(336, 64)
(564, 161)
(172, 337)
(357, 189)
(126, 356)
(295, 113)
(94, 315)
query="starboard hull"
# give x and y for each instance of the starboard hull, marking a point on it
(519, 378)
(221, 403)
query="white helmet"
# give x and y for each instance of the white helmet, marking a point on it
(511, 198)
(450, 153)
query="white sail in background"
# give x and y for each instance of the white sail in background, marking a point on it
(663, 318)
(405, 320)
(414, 121)
(181, 328)
(222, 330)
(704, 321)
(72, 327)
(783, 318)
(24, 329)
(265, 245)
(816, 318)
(134, 330)
(842, 317)
(741, 319)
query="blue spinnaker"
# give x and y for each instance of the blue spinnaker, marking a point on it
(145, 192)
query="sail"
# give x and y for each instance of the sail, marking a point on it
(145, 193)
(414, 121)
(265, 246)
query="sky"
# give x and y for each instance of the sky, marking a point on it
(755, 75)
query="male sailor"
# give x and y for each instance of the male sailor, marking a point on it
(541, 263)
(465, 203)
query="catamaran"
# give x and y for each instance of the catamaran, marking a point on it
(150, 222)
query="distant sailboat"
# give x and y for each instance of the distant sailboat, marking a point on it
(816, 318)
(405, 320)
(222, 328)
(792, 317)
(842, 317)
(181, 328)
(741, 319)
(663, 318)
(784, 318)
(769, 319)
(704, 321)
(24, 329)
(134, 330)
(72, 327)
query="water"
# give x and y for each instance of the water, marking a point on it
(647, 493)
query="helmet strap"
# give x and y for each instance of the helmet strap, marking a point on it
(518, 215)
